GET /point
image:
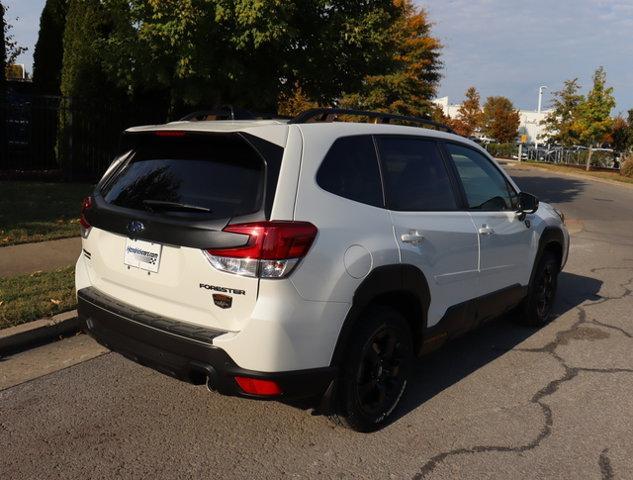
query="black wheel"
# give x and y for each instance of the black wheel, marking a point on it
(375, 372)
(537, 307)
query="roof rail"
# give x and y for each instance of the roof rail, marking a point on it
(322, 114)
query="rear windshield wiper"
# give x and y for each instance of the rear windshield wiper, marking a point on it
(165, 205)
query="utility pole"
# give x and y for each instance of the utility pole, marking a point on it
(540, 106)
(540, 97)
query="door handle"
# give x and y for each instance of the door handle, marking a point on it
(414, 237)
(486, 230)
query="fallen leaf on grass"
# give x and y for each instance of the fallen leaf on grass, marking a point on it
(56, 302)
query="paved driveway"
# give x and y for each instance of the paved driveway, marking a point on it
(504, 402)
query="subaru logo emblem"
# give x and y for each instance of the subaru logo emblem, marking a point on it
(135, 226)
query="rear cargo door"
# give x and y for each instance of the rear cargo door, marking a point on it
(154, 217)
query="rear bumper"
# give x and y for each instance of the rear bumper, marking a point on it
(181, 351)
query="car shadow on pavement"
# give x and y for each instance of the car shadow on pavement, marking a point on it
(464, 355)
(551, 189)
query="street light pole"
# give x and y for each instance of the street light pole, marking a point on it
(540, 97)
(540, 105)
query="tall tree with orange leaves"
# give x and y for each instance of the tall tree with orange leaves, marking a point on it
(411, 78)
(469, 115)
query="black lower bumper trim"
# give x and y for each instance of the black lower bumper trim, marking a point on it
(175, 354)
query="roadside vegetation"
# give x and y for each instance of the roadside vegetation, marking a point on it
(32, 296)
(627, 167)
(38, 211)
(615, 176)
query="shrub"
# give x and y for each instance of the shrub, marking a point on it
(502, 150)
(626, 167)
(598, 158)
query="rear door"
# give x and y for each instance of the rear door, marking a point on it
(157, 213)
(504, 238)
(431, 231)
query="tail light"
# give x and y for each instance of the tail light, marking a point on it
(272, 250)
(170, 133)
(256, 386)
(84, 224)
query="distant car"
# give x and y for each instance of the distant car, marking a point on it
(307, 259)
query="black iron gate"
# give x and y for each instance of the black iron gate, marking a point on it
(73, 138)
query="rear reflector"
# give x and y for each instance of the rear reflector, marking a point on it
(84, 224)
(272, 249)
(255, 386)
(169, 133)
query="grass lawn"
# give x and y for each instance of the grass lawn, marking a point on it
(597, 174)
(37, 211)
(29, 297)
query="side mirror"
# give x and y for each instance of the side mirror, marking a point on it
(528, 203)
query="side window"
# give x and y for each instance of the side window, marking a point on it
(350, 170)
(486, 188)
(415, 175)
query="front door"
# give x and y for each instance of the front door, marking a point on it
(504, 237)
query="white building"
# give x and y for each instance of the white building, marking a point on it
(530, 119)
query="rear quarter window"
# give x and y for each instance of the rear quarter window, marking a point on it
(350, 170)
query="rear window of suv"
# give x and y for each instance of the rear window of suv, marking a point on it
(220, 176)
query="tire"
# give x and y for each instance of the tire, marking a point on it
(375, 371)
(536, 310)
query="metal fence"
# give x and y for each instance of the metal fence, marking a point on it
(602, 158)
(74, 138)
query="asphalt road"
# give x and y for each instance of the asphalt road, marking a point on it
(504, 402)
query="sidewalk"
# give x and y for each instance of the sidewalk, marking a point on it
(41, 256)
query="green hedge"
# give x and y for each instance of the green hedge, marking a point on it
(503, 150)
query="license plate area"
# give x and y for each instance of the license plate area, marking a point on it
(142, 254)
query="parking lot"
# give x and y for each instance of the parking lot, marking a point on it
(502, 402)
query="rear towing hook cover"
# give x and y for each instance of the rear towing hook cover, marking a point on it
(222, 301)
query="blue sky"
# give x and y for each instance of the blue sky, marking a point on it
(503, 47)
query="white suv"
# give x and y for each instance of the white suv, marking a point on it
(308, 259)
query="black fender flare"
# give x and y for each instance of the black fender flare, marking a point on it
(550, 236)
(382, 281)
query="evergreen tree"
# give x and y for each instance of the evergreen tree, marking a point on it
(3, 49)
(48, 54)
(3, 86)
(500, 119)
(82, 76)
(89, 119)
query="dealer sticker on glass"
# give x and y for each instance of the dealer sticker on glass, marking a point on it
(142, 254)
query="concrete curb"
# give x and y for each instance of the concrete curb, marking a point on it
(44, 330)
